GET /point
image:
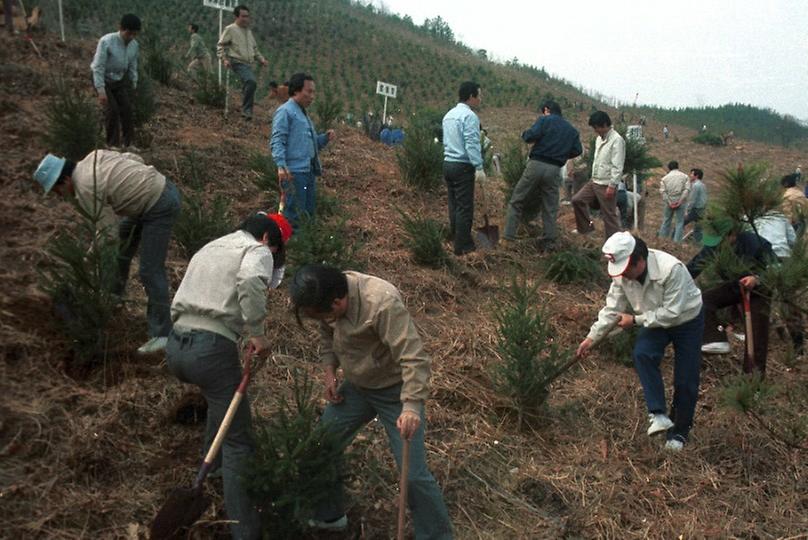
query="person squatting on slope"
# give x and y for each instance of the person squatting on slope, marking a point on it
(607, 171)
(366, 330)
(114, 70)
(149, 203)
(653, 290)
(238, 50)
(462, 164)
(295, 146)
(222, 296)
(554, 142)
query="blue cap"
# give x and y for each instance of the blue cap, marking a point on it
(48, 171)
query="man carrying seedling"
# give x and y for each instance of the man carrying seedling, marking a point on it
(110, 183)
(295, 146)
(114, 70)
(238, 50)
(222, 296)
(653, 290)
(366, 330)
(462, 164)
(554, 142)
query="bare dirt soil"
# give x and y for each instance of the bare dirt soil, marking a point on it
(92, 455)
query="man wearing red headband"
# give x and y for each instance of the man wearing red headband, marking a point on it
(653, 290)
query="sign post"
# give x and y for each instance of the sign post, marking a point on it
(221, 5)
(387, 90)
(61, 21)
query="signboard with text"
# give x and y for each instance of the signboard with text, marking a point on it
(386, 89)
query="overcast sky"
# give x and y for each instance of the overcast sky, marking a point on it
(672, 53)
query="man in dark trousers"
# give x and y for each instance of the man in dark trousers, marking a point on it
(554, 142)
(462, 164)
(114, 69)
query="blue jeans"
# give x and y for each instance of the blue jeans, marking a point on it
(211, 362)
(152, 232)
(669, 214)
(248, 86)
(694, 216)
(360, 406)
(648, 352)
(301, 197)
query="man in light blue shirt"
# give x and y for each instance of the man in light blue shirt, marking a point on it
(462, 164)
(114, 67)
(295, 146)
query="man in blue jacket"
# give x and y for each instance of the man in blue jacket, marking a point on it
(295, 144)
(554, 142)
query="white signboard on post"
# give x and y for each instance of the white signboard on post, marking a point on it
(388, 91)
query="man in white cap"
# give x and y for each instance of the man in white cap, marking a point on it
(123, 185)
(653, 290)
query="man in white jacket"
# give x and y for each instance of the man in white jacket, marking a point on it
(653, 290)
(675, 188)
(224, 294)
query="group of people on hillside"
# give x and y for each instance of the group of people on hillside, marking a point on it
(364, 326)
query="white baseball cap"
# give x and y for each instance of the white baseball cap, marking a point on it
(617, 250)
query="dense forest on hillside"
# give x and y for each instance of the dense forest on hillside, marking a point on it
(349, 45)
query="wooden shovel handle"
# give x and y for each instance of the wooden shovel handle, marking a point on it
(402, 500)
(750, 339)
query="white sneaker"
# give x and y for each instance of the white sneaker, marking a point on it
(154, 345)
(336, 525)
(659, 423)
(739, 337)
(716, 347)
(674, 445)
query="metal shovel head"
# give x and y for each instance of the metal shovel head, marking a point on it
(487, 236)
(182, 509)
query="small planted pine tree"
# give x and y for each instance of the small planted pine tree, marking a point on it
(327, 108)
(73, 123)
(530, 358)
(82, 280)
(295, 461)
(318, 241)
(200, 222)
(710, 139)
(207, 90)
(424, 237)
(747, 194)
(157, 64)
(420, 157)
(574, 266)
(266, 172)
(513, 164)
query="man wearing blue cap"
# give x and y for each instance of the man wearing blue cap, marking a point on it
(653, 290)
(123, 185)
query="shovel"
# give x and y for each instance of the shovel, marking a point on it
(186, 505)
(749, 361)
(402, 500)
(487, 236)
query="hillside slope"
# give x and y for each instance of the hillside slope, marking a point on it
(93, 454)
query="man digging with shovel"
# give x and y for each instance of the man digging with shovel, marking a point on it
(653, 290)
(366, 330)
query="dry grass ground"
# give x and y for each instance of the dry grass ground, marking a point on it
(93, 456)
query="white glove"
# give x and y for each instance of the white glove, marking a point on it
(479, 176)
(277, 277)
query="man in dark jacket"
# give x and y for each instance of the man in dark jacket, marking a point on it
(755, 253)
(554, 142)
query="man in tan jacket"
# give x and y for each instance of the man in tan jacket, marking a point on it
(366, 330)
(238, 50)
(111, 184)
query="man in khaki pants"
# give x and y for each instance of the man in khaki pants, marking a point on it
(607, 171)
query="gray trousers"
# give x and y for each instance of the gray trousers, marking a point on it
(360, 406)
(248, 86)
(539, 181)
(212, 362)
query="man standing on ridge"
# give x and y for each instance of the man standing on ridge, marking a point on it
(607, 171)
(462, 164)
(114, 69)
(295, 146)
(237, 49)
(554, 142)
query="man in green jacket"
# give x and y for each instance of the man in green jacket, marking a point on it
(366, 330)
(199, 54)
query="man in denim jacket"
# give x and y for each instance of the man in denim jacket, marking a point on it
(294, 145)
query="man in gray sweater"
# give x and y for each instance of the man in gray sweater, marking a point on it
(222, 295)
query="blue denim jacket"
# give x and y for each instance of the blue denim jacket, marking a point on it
(295, 142)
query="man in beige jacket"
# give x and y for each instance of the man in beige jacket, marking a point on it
(111, 184)
(675, 189)
(238, 50)
(366, 330)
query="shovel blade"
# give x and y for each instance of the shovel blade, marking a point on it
(487, 236)
(182, 509)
